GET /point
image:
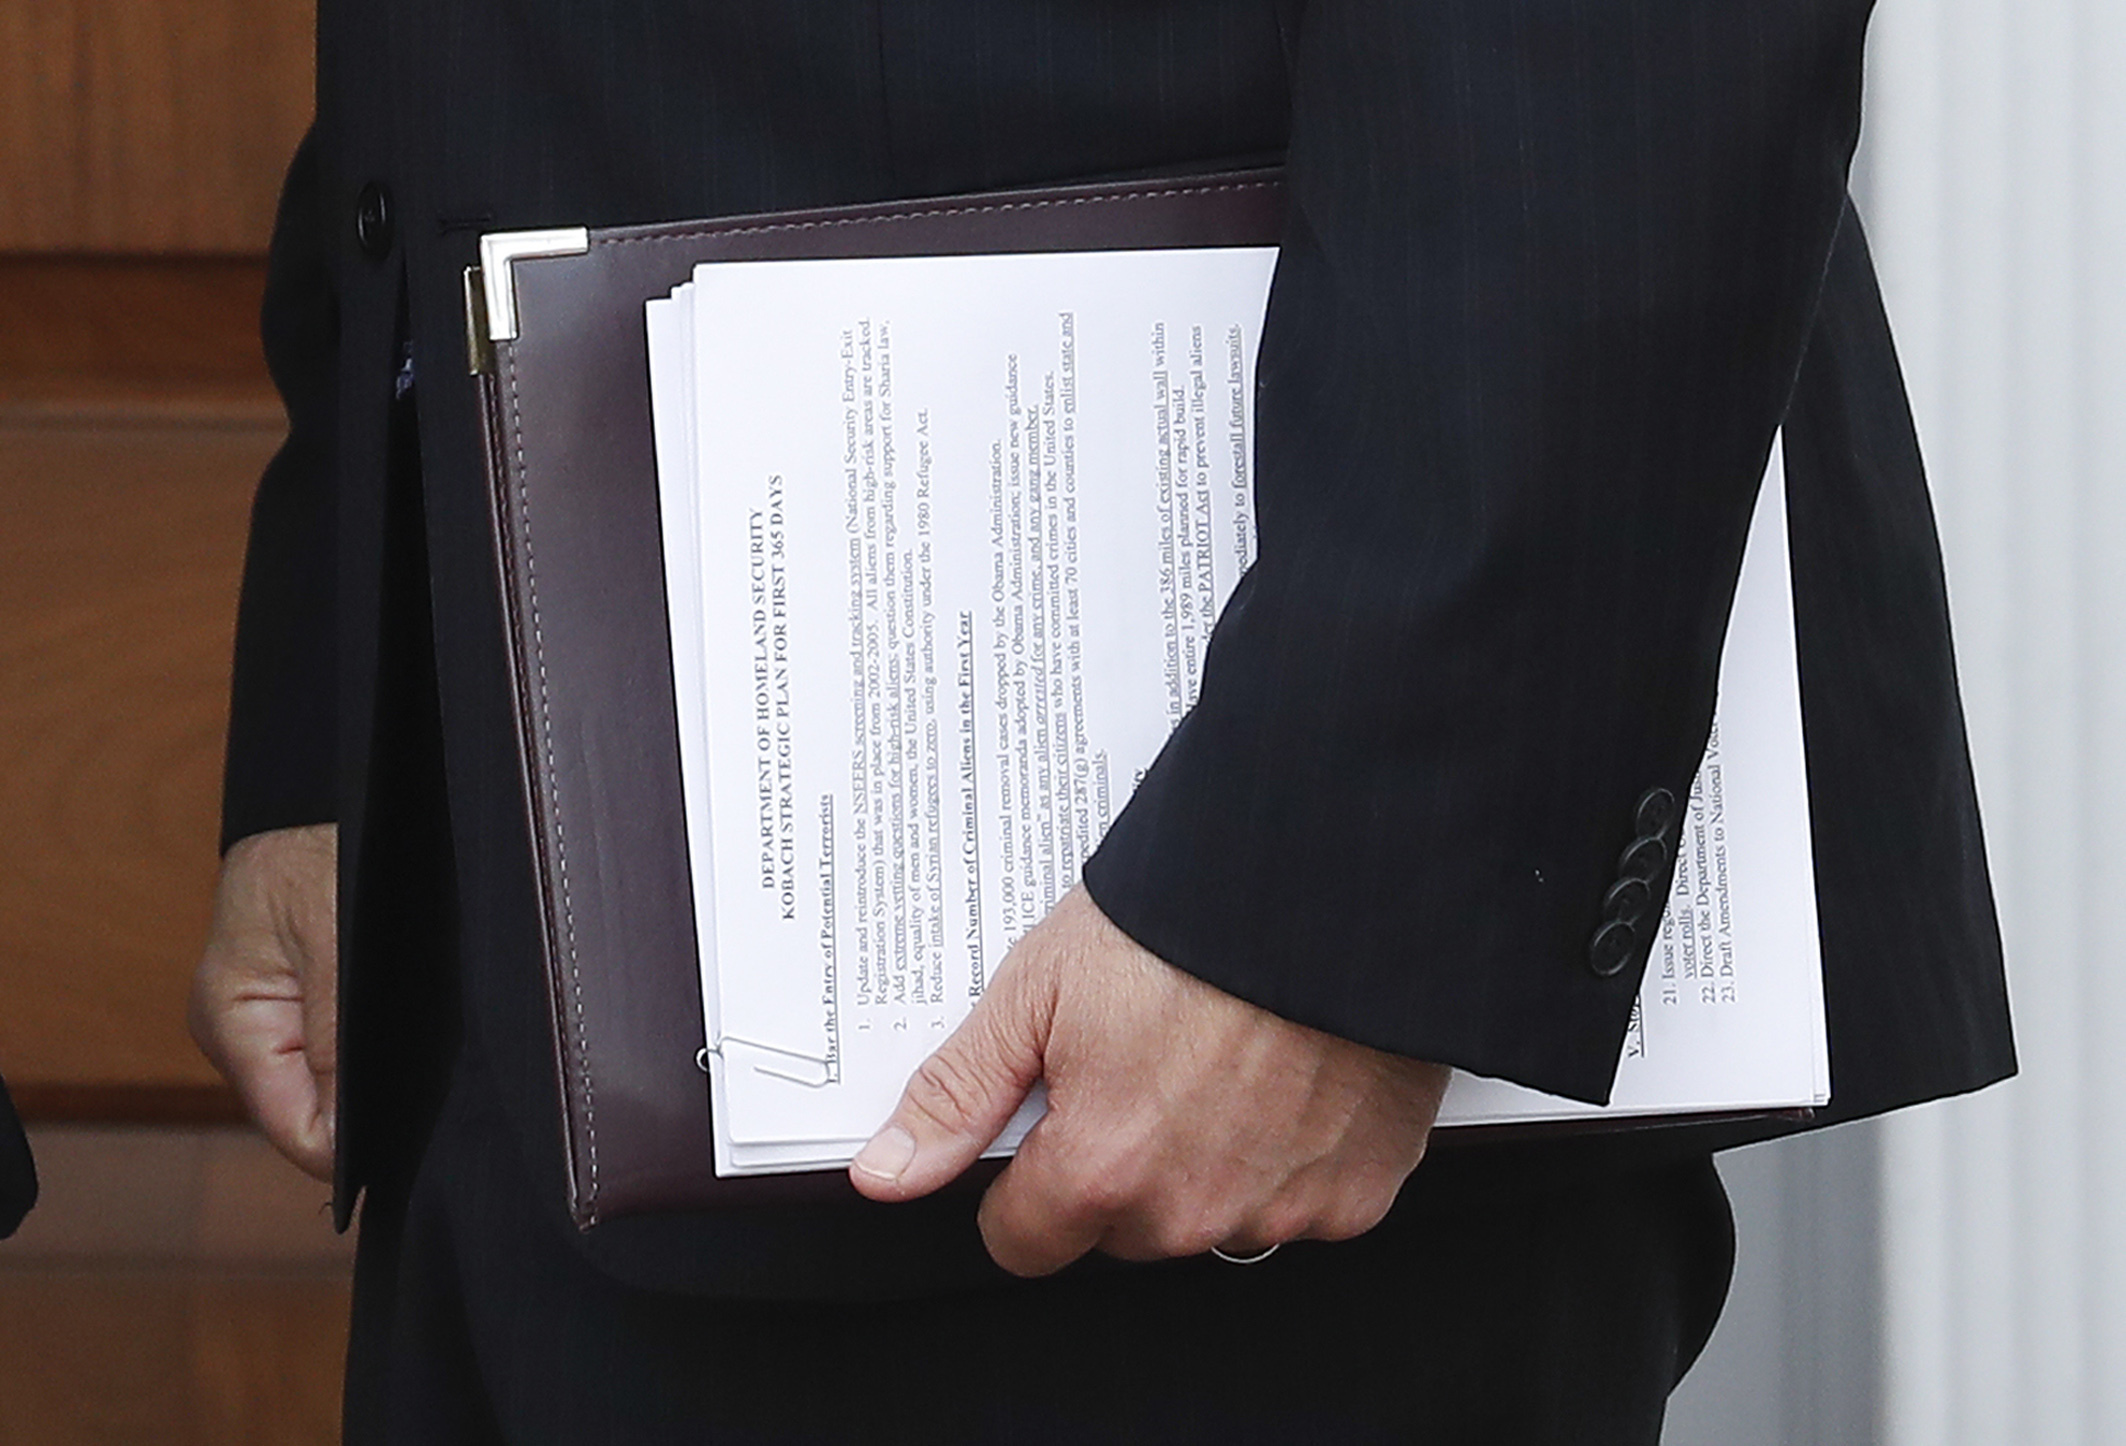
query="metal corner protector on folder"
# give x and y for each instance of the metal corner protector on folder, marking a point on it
(500, 250)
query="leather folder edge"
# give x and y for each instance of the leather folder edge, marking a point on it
(574, 509)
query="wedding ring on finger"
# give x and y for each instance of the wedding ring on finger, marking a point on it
(1256, 1259)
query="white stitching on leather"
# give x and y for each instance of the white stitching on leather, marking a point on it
(899, 216)
(553, 792)
(531, 571)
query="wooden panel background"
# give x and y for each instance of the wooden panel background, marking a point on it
(174, 1286)
(180, 1358)
(159, 1293)
(148, 125)
(120, 551)
(126, 338)
(141, 148)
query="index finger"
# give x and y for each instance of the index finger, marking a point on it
(263, 1057)
(1034, 1221)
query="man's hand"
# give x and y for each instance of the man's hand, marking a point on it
(265, 993)
(1179, 1117)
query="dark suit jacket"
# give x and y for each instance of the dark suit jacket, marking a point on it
(18, 1173)
(1553, 275)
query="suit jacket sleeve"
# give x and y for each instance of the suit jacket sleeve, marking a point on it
(1549, 272)
(282, 751)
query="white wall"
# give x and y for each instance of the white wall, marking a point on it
(1797, 1359)
(1984, 1304)
(1996, 186)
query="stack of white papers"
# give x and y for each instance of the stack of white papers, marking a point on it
(945, 538)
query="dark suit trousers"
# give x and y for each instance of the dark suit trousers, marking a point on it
(1559, 1314)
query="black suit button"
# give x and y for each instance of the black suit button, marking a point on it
(1612, 945)
(1643, 860)
(373, 221)
(1626, 901)
(1656, 810)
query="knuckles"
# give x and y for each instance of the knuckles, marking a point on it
(1104, 1190)
(1182, 1237)
(1348, 1219)
(1282, 1221)
(948, 1090)
(1143, 1224)
(1120, 1188)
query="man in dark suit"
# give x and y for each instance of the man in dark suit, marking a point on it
(1553, 275)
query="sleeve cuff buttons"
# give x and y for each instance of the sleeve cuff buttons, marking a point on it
(1625, 907)
(1626, 902)
(1643, 860)
(1612, 947)
(1654, 812)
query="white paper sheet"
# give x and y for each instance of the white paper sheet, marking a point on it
(945, 540)
(1730, 1016)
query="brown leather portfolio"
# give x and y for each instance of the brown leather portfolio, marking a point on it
(556, 333)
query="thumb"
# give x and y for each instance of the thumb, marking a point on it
(959, 1100)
